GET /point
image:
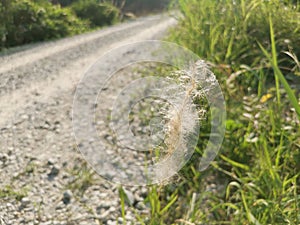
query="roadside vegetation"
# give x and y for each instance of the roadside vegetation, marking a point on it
(29, 21)
(253, 49)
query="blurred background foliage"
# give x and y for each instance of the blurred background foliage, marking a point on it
(98, 14)
(28, 21)
(140, 7)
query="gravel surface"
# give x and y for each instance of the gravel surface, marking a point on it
(43, 177)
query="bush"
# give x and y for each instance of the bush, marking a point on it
(99, 14)
(4, 18)
(27, 21)
(2, 24)
(140, 7)
(63, 22)
(30, 21)
(65, 3)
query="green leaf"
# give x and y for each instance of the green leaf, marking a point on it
(278, 72)
(169, 204)
(234, 163)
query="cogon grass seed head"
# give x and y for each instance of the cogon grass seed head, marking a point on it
(184, 118)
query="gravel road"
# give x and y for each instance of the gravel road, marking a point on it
(43, 177)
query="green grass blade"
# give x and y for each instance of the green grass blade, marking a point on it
(234, 163)
(283, 81)
(250, 216)
(122, 199)
(274, 60)
(169, 204)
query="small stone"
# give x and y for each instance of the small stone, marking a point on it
(16, 175)
(138, 198)
(140, 205)
(25, 201)
(84, 199)
(103, 205)
(46, 223)
(144, 192)
(130, 197)
(112, 209)
(110, 222)
(51, 162)
(67, 197)
(3, 157)
(60, 206)
(25, 117)
(128, 217)
(103, 194)
(54, 171)
(104, 215)
(55, 222)
(9, 205)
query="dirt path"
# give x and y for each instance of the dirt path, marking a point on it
(43, 179)
(59, 65)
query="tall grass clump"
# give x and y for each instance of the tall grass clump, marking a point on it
(253, 48)
(227, 31)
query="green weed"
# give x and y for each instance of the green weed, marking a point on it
(83, 178)
(10, 192)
